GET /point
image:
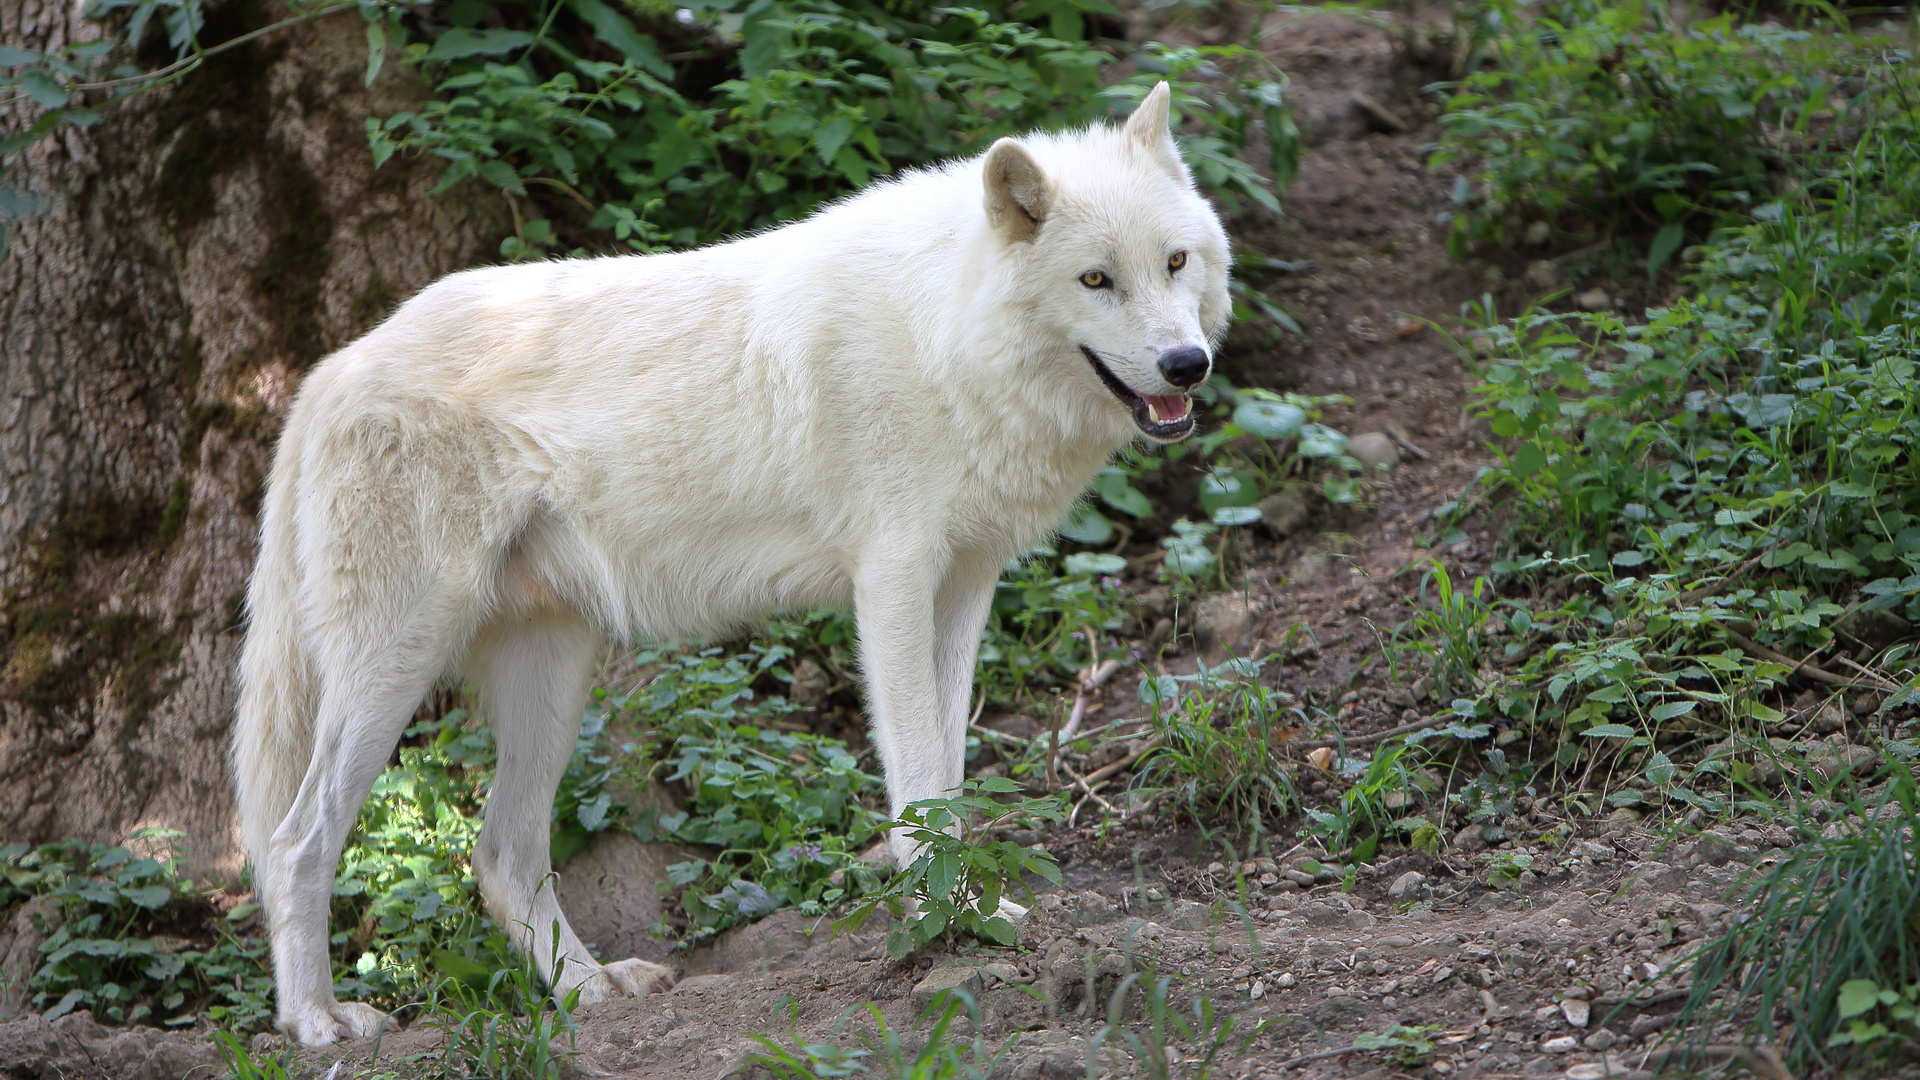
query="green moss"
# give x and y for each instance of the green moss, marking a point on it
(174, 517)
(220, 108)
(287, 282)
(58, 648)
(374, 303)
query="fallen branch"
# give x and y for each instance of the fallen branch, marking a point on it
(1802, 667)
(1378, 736)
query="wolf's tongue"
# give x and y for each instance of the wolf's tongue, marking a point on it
(1166, 409)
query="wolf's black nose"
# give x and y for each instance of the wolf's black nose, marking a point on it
(1184, 367)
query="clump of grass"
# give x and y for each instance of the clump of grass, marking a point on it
(1826, 951)
(1222, 736)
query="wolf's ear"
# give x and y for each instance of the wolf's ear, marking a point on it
(1019, 194)
(1148, 131)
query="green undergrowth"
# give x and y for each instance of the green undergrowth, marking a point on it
(1636, 122)
(1694, 498)
(133, 940)
(1828, 944)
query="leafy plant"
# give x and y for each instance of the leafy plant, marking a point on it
(787, 810)
(818, 98)
(956, 884)
(135, 941)
(504, 1026)
(1406, 1046)
(939, 1058)
(1207, 1034)
(1624, 114)
(1223, 735)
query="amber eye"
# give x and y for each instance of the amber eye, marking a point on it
(1177, 260)
(1094, 279)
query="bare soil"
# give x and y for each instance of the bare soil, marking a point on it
(1420, 940)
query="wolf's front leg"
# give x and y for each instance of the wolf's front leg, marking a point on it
(918, 650)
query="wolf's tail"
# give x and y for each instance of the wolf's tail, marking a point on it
(273, 730)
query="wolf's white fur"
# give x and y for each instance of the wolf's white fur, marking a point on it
(881, 404)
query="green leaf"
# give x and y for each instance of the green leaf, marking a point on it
(1090, 564)
(1672, 709)
(44, 89)
(1269, 419)
(459, 43)
(376, 50)
(1665, 243)
(617, 30)
(151, 897)
(467, 970)
(943, 873)
(1231, 516)
(1609, 731)
(1857, 996)
(1086, 526)
(1320, 441)
(1112, 487)
(829, 137)
(12, 57)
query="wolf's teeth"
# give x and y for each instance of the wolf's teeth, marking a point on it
(1153, 412)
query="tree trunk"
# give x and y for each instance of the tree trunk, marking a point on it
(194, 253)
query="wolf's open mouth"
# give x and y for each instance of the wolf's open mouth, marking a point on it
(1167, 418)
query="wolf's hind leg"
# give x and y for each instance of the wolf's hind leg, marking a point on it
(363, 709)
(532, 672)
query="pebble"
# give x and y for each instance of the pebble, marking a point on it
(1601, 1039)
(1405, 884)
(1539, 232)
(1593, 300)
(1564, 1044)
(1576, 1011)
(1375, 452)
(1286, 981)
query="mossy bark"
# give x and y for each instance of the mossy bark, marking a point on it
(194, 254)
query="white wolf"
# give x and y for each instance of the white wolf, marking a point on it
(881, 404)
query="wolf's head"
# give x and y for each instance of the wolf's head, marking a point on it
(1121, 259)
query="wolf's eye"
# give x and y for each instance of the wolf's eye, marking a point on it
(1177, 260)
(1095, 279)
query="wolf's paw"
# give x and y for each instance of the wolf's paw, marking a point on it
(626, 978)
(335, 1022)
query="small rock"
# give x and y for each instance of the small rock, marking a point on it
(1225, 619)
(1285, 980)
(1258, 990)
(1832, 759)
(1423, 688)
(1564, 1044)
(1379, 117)
(1830, 718)
(1593, 300)
(1646, 1024)
(1538, 233)
(1374, 451)
(1543, 274)
(1405, 884)
(1874, 629)
(810, 684)
(1284, 512)
(1399, 697)
(948, 978)
(1576, 1011)
(1624, 816)
(1599, 1040)
(1471, 838)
